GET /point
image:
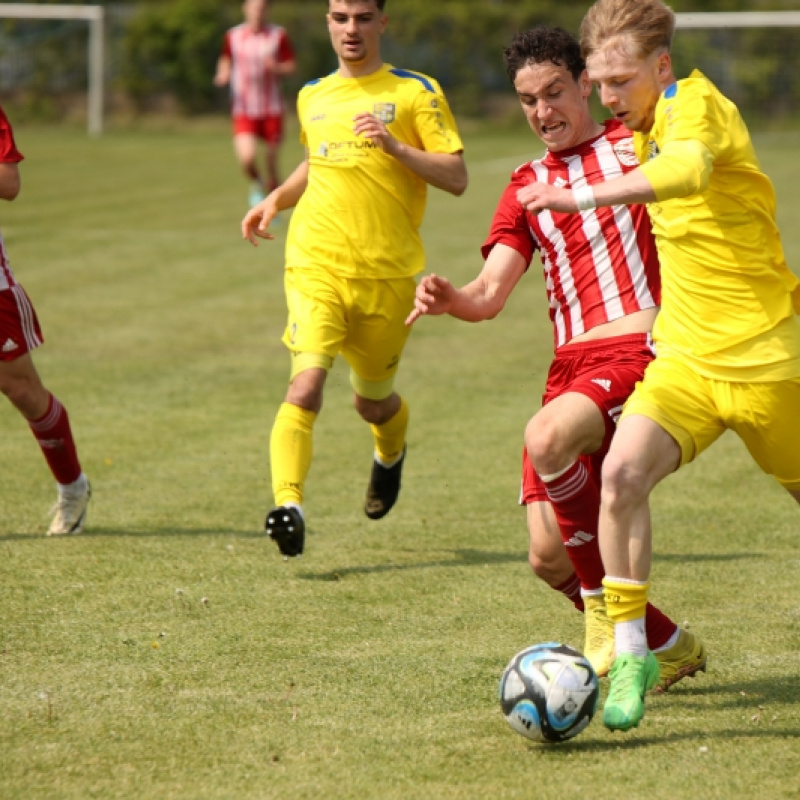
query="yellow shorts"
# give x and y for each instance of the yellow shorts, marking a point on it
(363, 319)
(696, 410)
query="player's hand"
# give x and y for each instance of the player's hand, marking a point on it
(369, 126)
(536, 197)
(434, 296)
(256, 222)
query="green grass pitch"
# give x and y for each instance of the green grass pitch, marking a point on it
(170, 653)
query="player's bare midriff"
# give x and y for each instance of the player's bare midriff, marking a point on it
(637, 322)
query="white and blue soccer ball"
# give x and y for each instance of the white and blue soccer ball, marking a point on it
(549, 692)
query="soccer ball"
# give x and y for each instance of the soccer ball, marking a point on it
(549, 692)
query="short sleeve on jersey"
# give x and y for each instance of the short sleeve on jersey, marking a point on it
(434, 121)
(285, 48)
(227, 51)
(8, 149)
(510, 224)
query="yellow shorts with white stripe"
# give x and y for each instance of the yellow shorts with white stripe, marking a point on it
(363, 319)
(696, 410)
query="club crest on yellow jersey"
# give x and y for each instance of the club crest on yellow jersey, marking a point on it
(652, 149)
(385, 112)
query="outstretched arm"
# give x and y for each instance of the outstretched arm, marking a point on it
(681, 169)
(629, 189)
(445, 171)
(256, 221)
(223, 73)
(483, 298)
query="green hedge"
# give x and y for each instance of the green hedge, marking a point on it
(173, 47)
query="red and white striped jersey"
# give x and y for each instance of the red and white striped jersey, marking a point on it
(8, 155)
(599, 265)
(255, 88)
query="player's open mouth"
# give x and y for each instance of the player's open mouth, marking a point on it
(557, 127)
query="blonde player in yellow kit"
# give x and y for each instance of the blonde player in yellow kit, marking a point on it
(375, 137)
(727, 337)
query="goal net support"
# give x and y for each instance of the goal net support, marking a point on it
(751, 56)
(95, 17)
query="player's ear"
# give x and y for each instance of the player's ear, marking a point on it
(585, 84)
(664, 66)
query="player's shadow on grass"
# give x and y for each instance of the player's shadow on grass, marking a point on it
(686, 558)
(766, 694)
(634, 740)
(461, 558)
(473, 558)
(153, 533)
(759, 701)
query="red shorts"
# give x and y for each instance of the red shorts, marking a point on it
(269, 128)
(19, 326)
(606, 371)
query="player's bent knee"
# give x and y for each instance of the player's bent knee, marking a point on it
(376, 412)
(305, 389)
(545, 445)
(623, 483)
(30, 398)
(552, 571)
(538, 565)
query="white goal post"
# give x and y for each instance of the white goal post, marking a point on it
(95, 16)
(737, 19)
(749, 55)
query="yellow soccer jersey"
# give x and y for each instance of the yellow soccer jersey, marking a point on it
(360, 213)
(725, 282)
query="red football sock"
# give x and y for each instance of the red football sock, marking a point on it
(54, 435)
(575, 497)
(658, 626)
(572, 589)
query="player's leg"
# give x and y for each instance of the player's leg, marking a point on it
(46, 417)
(245, 146)
(374, 347)
(388, 421)
(313, 335)
(273, 136)
(640, 455)
(679, 652)
(669, 419)
(587, 385)
(563, 430)
(556, 438)
(775, 445)
(547, 555)
(291, 442)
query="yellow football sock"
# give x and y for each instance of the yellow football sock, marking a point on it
(625, 601)
(290, 447)
(390, 437)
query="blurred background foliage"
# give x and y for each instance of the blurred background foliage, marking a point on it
(162, 54)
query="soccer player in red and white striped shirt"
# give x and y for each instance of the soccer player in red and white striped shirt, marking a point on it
(19, 380)
(602, 280)
(255, 56)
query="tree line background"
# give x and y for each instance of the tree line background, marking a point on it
(168, 49)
